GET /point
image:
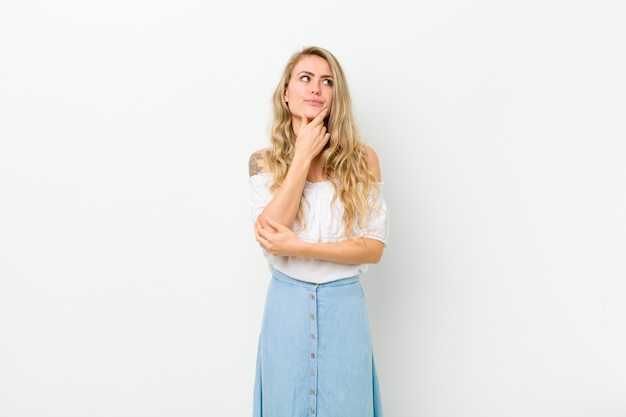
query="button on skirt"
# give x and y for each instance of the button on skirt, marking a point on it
(315, 352)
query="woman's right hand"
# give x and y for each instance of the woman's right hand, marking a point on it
(312, 136)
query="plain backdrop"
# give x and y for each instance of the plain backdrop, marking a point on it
(130, 281)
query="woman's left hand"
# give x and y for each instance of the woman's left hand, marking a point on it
(276, 239)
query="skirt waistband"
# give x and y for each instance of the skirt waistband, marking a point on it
(279, 276)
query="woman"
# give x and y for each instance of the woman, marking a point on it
(319, 216)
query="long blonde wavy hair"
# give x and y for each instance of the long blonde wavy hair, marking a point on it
(345, 160)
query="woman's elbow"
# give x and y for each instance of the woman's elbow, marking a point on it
(376, 251)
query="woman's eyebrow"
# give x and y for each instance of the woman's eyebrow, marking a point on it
(310, 73)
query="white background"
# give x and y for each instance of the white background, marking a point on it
(130, 282)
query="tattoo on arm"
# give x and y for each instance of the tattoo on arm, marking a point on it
(253, 164)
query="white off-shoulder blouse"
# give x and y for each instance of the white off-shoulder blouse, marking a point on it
(324, 223)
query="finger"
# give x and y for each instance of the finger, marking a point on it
(259, 238)
(319, 119)
(264, 227)
(305, 121)
(316, 121)
(278, 227)
(262, 234)
(262, 240)
(262, 243)
(273, 224)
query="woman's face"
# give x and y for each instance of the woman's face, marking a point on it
(310, 88)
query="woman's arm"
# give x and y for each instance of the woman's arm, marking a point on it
(311, 139)
(374, 164)
(279, 240)
(285, 203)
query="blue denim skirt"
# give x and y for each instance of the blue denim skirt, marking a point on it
(315, 352)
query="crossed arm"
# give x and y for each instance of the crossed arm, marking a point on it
(281, 241)
(273, 226)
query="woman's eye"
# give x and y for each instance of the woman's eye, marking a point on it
(328, 81)
(304, 78)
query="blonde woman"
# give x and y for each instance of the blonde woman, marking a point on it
(320, 218)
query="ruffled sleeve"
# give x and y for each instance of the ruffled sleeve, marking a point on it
(378, 222)
(261, 195)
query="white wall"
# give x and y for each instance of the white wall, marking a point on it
(130, 282)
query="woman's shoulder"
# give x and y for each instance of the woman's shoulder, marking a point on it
(373, 158)
(257, 163)
(371, 153)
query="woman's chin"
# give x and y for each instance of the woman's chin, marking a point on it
(311, 112)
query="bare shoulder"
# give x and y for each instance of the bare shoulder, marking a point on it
(374, 164)
(257, 163)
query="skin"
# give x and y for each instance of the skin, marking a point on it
(309, 95)
(310, 89)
